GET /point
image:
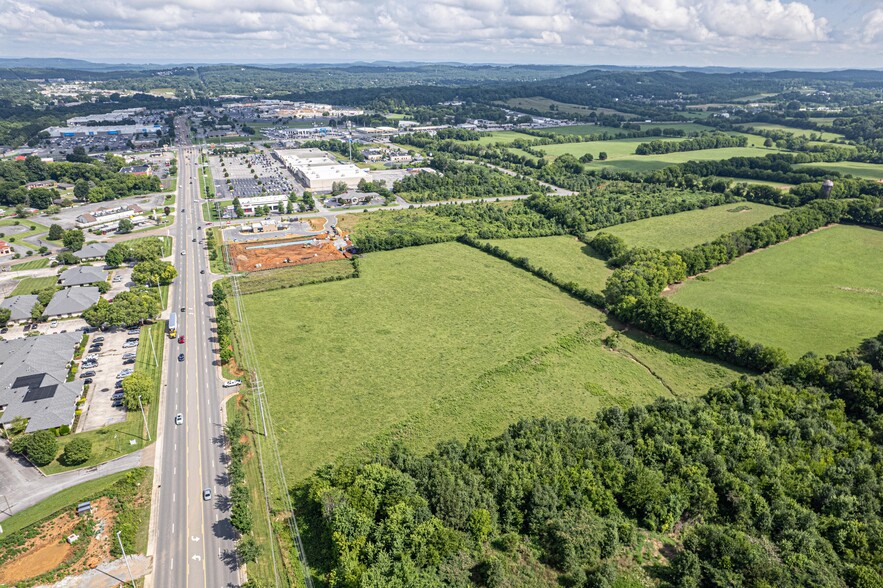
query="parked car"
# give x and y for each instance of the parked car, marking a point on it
(87, 381)
(130, 344)
(231, 383)
(129, 355)
(53, 324)
(134, 331)
(98, 339)
(129, 361)
(117, 396)
(87, 374)
(117, 402)
(125, 373)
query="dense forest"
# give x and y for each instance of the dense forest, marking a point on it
(773, 480)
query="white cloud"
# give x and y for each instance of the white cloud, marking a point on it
(873, 28)
(407, 29)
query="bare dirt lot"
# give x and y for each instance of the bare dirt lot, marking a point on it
(256, 255)
(48, 550)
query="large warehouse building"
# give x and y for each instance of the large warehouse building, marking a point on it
(318, 171)
(88, 131)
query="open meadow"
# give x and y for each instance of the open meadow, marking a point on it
(797, 132)
(869, 171)
(443, 341)
(822, 292)
(693, 227)
(565, 256)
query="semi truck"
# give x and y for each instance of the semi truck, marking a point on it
(173, 326)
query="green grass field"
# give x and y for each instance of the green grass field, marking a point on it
(437, 342)
(870, 171)
(29, 265)
(797, 132)
(694, 227)
(583, 130)
(28, 285)
(491, 137)
(822, 292)
(566, 257)
(621, 153)
(543, 104)
(299, 275)
(114, 441)
(778, 185)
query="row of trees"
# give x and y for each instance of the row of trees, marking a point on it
(707, 141)
(137, 250)
(225, 323)
(770, 481)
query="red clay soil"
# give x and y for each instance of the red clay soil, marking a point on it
(251, 260)
(48, 549)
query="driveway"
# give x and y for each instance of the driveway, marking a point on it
(23, 485)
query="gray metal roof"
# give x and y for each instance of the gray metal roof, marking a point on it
(93, 250)
(20, 306)
(72, 300)
(82, 274)
(32, 380)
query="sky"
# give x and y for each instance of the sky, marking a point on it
(739, 33)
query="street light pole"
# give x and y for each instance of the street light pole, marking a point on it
(123, 549)
(141, 406)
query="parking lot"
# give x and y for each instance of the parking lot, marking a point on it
(99, 410)
(271, 178)
(120, 281)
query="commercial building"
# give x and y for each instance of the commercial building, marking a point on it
(72, 301)
(108, 117)
(93, 251)
(40, 184)
(137, 170)
(318, 171)
(84, 131)
(249, 204)
(20, 307)
(107, 215)
(33, 386)
(5, 248)
(82, 275)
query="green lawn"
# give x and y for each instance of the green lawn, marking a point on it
(584, 130)
(778, 185)
(489, 138)
(114, 441)
(299, 275)
(566, 257)
(19, 238)
(822, 292)
(870, 171)
(826, 136)
(694, 227)
(28, 285)
(29, 265)
(437, 342)
(543, 104)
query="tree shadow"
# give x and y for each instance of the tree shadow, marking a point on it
(223, 503)
(230, 559)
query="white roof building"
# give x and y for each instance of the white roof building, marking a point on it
(318, 171)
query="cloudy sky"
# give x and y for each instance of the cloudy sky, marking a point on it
(756, 33)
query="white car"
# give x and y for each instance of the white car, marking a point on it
(231, 383)
(179, 419)
(183, 252)
(53, 324)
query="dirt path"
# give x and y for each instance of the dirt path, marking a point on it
(107, 575)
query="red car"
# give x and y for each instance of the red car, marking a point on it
(181, 339)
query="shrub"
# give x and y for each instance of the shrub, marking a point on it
(79, 450)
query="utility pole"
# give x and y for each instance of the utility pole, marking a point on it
(146, 428)
(8, 508)
(123, 549)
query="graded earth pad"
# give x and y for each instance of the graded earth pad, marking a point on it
(259, 255)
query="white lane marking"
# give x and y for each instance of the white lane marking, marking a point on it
(172, 564)
(173, 528)
(174, 496)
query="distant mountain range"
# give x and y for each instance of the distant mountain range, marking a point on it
(61, 63)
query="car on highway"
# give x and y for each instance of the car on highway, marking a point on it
(180, 357)
(179, 419)
(183, 252)
(181, 339)
(194, 240)
(231, 383)
(202, 271)
(207, 494)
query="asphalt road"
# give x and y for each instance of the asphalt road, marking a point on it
(194, 539)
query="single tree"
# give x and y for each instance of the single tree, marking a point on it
(248, 549)
(125, 226)
(55, 232)
(77, 451)
(73, 239)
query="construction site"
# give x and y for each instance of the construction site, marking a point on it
(265, 254)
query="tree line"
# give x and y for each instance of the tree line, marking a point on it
(769, 481)
(706, 141)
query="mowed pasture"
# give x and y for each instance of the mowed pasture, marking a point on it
(797, 132)
(621, 153)
(693, 227)
(869, 171)
(822, 292)
(565, 256)
(439, 342)
(543, 105)
(505, 137)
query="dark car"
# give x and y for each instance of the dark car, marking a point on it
(180, 357)
(88, 374)
(98, 339)
(182, 309)
(87, 381)
(128, 361)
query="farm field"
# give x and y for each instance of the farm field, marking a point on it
(820, 292)
(693, 227)
(566, 257)
(543, 104)
(621, 153)
(427, 346)
(797, 132)
(584, 130)
(870, 171)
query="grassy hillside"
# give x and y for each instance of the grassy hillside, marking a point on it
(822, 292)
(441, 341)
(694, 227)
